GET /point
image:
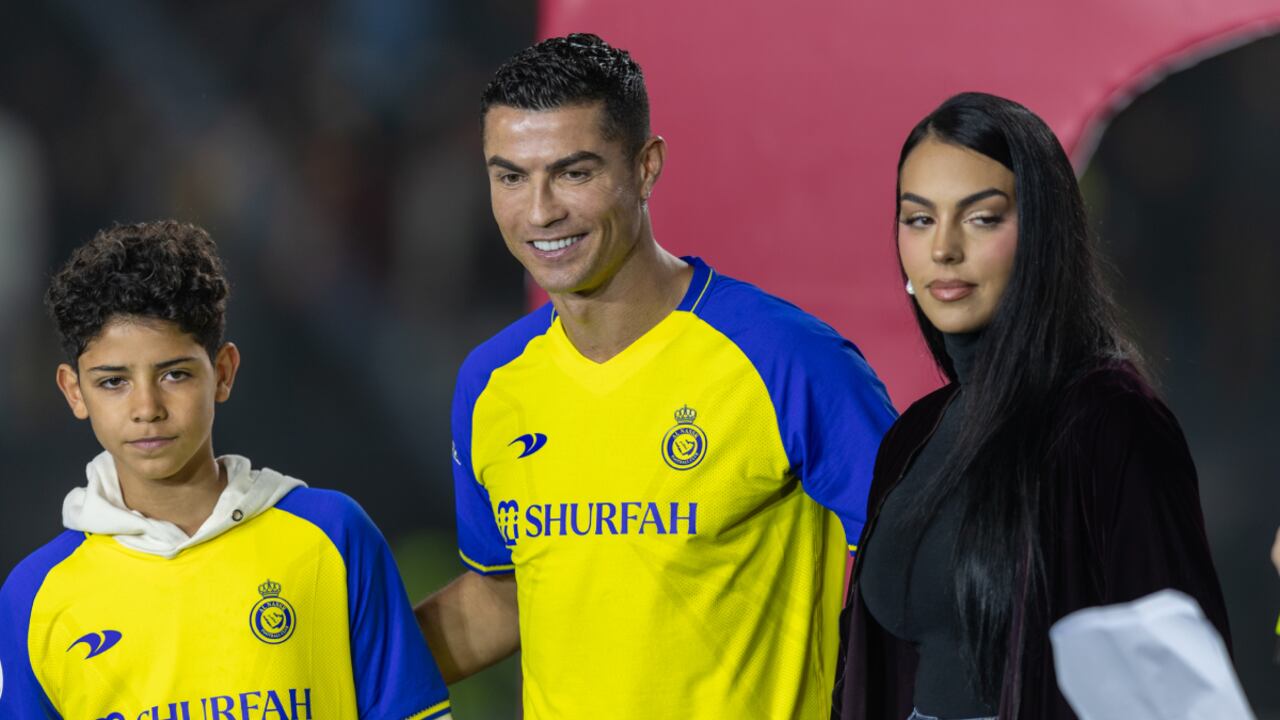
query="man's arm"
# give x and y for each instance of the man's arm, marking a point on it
(471, 623)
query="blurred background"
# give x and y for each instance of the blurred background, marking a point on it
(332, 149)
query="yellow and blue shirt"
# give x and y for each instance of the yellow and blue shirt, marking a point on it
(297, 613)
(673, 516)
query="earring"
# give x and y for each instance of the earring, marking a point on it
(911, 289)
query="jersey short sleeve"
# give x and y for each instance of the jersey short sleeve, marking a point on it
(480, 542)
(395, 675)
(21, 695)
(831, 408)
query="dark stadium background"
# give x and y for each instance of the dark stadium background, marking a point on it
(332, 150)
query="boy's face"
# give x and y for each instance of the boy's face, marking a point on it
(148, 389)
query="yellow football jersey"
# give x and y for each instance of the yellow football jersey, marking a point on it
(298, 613)
(673, 515)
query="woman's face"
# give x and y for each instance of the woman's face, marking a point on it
(957, 232)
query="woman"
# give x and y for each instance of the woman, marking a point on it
(1046, 476)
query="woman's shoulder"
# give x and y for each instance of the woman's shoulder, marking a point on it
(917, 421)
(1112, 411)
(1113, 391)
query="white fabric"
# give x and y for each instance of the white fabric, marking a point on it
(1156, 658)
(99, 507)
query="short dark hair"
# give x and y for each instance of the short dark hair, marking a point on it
(163, 270)
(576, 69)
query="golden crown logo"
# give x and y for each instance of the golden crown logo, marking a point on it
(269, 589)
(686, 415)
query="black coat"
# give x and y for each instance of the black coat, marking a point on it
(1121, 520)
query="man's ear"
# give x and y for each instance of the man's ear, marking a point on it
(225, 366)
(69, 383)
(651, 158)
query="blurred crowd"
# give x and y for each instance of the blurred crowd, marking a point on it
(333, 152)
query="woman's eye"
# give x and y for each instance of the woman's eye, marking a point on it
(987, 220)
(917, 221)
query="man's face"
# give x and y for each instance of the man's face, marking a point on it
(148, 389)
(569, 202)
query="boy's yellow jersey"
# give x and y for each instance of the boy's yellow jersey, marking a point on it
(674, 515)
(297, 614)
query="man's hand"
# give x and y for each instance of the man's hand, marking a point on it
(471, 624)
(1275, 552)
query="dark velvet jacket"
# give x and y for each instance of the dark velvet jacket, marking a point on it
(1120, 519)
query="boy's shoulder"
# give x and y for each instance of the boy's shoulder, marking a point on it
(28, 576)
(335, 513)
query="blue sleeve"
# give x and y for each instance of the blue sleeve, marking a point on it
(395, 675)
(481, 543)
(21, 695)
(831, 408)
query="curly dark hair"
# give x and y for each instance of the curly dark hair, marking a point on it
(573, 70)
(166, 270)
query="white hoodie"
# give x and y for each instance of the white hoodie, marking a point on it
(99, 507)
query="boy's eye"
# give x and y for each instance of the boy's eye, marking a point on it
(110, 383)
(177, 375)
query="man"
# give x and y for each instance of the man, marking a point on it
(189, 586)
(651, 470)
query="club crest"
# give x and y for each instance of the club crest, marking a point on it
(684, 445)
(272, 618)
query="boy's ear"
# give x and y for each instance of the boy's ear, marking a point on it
(225, 365)
(69, 383)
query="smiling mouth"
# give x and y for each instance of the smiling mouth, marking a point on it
(554, 245)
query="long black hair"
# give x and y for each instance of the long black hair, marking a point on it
(1053, 323)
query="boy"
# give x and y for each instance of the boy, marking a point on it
(189, 586)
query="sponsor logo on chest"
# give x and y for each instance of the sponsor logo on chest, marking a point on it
(682, 447)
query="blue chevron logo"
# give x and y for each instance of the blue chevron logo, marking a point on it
(531, 442)
(98, 643)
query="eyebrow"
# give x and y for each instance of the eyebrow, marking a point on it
(562, 163)
(158, 366)
(964, 202)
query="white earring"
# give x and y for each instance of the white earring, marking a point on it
(911, 289)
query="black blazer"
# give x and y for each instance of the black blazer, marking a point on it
(1121, 519)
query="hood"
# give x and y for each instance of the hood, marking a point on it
(99, 506)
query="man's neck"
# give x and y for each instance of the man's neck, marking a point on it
(186, 499)
(648, 286)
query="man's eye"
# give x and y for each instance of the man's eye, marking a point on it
(575, 175)
(510, 178)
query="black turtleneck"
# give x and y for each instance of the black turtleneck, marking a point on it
(922, 609)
